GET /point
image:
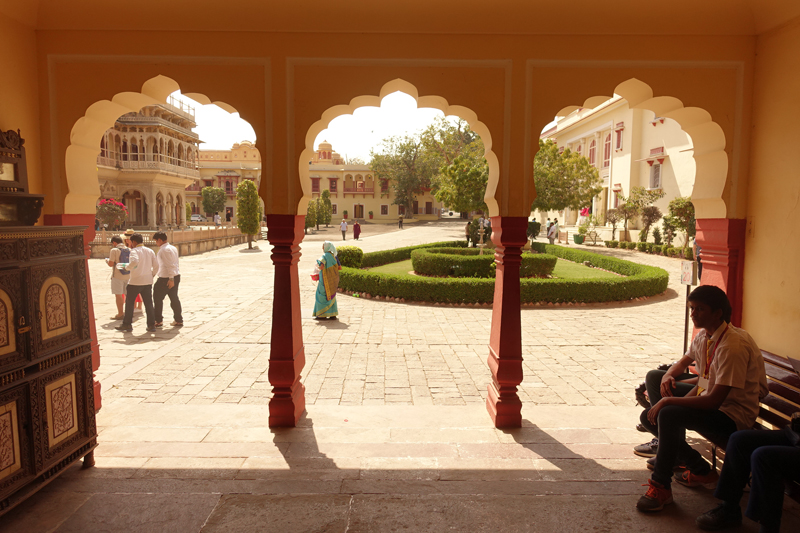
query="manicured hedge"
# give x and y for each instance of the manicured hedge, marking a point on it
(639, 280)
(374, 259)
(466, 263)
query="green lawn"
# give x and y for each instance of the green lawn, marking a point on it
(563, 270)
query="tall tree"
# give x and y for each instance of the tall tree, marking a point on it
(461, 185)
(213, 199)
(681, 211)
(327, 208)
(247, 208)
(402, 161)
(563, 179)
(631, 206)
(311, 215)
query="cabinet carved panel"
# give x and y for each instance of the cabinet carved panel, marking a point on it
(47, 418)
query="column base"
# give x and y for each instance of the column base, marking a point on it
(505, 413)
(286, 408)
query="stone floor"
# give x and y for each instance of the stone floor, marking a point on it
(395, 437)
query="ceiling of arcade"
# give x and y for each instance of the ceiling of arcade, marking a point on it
(677, 17)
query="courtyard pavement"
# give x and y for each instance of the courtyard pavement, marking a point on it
(396, 434)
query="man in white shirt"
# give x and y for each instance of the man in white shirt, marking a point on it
(552, 233)
(343, 227)
(217, 220)
(169, 277)
(143, 266)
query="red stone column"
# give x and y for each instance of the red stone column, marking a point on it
(509, 235)
(286, 356)
(721, 242)
(88, 236)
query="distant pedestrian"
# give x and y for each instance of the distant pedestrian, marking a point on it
(356, 230)
(169, 277)
(228, 216)
(466, 234)
(343, 227)
(119, 277)
(551, 233)
(143, 266)
(217, 220)
(400, 222)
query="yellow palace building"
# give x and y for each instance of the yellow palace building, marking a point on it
(357, 194)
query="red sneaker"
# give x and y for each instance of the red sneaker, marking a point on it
(708, 481)
(655, 498)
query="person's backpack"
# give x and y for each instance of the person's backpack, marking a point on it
(125, 257)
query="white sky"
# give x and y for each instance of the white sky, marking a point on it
(351, 135)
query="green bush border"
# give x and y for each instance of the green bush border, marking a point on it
(639, 280)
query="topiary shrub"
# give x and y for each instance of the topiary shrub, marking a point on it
(635, 281)
(385, 257)
(612, 244)
(641, 246)
(688, 254)
(656, 249)
(350, 256)
(466, 263)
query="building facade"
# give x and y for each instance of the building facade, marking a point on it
(629, 148)
(357, 194)
(225, 169)
(147, 160)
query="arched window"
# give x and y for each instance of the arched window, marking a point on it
(607, 151)
(579, 149)
(592, 152)
(228, 187)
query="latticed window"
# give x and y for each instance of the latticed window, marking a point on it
(655, 177)
(384, 210)
(592, 152)
(607, 151)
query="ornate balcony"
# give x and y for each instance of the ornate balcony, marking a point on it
(149, 166)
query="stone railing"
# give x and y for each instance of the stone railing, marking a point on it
(187, 241)
(158, 121)
(160, 166)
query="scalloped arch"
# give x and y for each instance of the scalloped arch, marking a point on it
(432, 101)
(708, 140)
(81, 154)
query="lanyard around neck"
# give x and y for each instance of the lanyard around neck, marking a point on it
(710, 354)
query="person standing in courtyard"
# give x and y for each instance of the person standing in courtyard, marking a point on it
(343, 227)
(217, 220)
(731, 382)
(356, 230)
(466, 234)
(400, 222)
(119, 278)
(551, 233)
(326, 274)
(169, 277)
(143, 266)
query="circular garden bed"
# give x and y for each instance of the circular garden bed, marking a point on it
(467, 263)
(634, 280)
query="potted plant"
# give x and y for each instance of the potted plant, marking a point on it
(344, 214)
(370, 214)
(583, 229)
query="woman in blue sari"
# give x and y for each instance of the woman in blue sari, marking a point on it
(327, 272)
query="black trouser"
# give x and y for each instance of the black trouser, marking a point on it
(772, 458)
(653, 384)
(146, 291)
(673, 421)
(160, 290)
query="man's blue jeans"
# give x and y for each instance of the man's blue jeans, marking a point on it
(772, 458)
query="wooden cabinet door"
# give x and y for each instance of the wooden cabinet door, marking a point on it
(15, 321)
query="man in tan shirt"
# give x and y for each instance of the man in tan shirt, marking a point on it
(731, 381)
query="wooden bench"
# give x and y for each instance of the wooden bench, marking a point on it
(776, 409)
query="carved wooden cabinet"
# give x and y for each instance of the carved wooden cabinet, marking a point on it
(47, 418)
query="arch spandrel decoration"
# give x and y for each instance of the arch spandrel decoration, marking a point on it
(8, 339)
(55, 308)
(434, 102)
(708, 141)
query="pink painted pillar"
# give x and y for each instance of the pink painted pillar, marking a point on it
(286, 356)
(509, 235)
(721, 242)
(88, 236)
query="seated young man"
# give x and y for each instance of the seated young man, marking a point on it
(731, 382)
(772, 457)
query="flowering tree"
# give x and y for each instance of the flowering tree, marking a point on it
(111, 212)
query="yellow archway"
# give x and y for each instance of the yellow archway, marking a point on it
(434, 102)
(708, 140)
